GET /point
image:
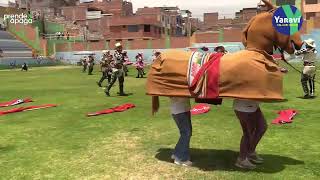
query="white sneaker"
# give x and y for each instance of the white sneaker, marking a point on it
(173, 157)
(183, 163)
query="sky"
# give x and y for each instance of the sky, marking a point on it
(198, 7)
(5, 1)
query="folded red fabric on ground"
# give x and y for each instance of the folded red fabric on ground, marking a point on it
(15, 102)
(285, 116)
(120, 108)
(29, 108)
(200, 109)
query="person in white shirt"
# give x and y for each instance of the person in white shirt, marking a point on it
(309, 70)
(180, 110)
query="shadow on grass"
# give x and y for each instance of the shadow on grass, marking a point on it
(223, 160)
(118, 96)
(127, 94)
(310, 98)
(4, 149)
(276, 101)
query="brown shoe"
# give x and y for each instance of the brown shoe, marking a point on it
(255, 158)
(245, 164)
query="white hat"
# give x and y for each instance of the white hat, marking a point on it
(118, 44)
(105, 51)
(310, 42)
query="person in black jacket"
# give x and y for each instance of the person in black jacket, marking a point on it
(24, 67)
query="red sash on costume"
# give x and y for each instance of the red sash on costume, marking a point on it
(205, 84)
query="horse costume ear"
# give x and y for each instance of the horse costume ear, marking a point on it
(268, 4)
(245, 32)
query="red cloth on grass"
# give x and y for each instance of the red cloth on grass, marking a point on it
(200, 109)
(29, 108)
(285, 116)
(120, 108)
(15, 102)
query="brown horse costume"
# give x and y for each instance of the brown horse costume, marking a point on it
(248, 74)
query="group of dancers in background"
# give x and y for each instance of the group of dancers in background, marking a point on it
(115, 67)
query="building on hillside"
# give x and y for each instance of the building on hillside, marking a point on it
(146, 24)
(213, 23)
(163, 16)
(311, 9)
(196, 24)
(176, 22)
(41, 5)
(187, 24)
(115, 7)
(135, 27)
(210, 21)
(8, 4)
(244, 15)
(225, 22)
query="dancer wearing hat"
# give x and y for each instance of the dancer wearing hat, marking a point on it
(309, 70)
(155, 54)
(106, 68)
(117, 71)
(90, 64)
(84, 62)
(204, 49)
(126, 61)
(139, 65)
(220, 49)
(142, 63)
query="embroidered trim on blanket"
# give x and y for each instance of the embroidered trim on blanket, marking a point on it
(204, 73)
(196, 61)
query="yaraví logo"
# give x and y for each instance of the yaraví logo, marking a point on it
(287, 19)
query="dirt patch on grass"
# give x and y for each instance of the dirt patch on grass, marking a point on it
(121, 157)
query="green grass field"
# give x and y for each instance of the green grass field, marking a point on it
(62, 143)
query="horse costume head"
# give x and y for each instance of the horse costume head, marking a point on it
(260, 34)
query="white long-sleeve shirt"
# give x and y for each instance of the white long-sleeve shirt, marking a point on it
(309, 56)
